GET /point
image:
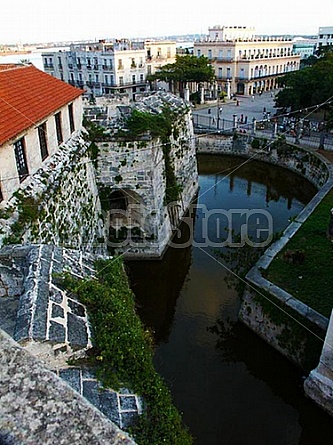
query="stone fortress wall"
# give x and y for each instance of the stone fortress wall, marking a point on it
(56, 224)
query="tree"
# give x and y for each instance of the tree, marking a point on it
(308, 87)
(187, 68)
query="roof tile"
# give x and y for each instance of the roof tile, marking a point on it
(27, 96)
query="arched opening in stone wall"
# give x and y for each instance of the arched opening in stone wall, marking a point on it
(118, 200)
(128, 217)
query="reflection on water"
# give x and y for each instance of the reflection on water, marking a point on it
(156, 299)
(230, 385)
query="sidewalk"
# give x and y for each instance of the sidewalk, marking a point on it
(252, 108)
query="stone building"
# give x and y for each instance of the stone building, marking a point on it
(39, 113)
(105, 67)
(134, 179)
(244, 63)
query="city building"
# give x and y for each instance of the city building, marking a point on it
(39, 113)
(245, 63)
(102, 68)
(304, 47)
(325, 36)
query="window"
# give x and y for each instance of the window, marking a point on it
(199, 52)
(21, 160)
(121, 80)
(133, 79)
(58, 127)
(220, 73)
(43, 141)
(209, 54)
(71, 118)
(1, 195)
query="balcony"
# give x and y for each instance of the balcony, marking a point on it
(221, 59)
(224, 78)
(107, 68)
(92, 84)
(129, 84)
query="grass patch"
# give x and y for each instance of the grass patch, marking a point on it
(123, 352)
(304, 268)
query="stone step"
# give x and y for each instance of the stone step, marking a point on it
(121, 407)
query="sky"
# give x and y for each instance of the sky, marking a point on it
(37, 21)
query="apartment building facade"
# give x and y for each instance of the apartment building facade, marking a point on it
(244, 63)
(325, 36)
(102, 68)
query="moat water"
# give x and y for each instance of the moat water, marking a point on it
(231, 387)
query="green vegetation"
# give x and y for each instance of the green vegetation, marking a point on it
(96, 133)
(186, 69)
(28, 211)
(163, 126)
(304, 267)
(310, 86)
(123, 352)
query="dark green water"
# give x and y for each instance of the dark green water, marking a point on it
(231, 387)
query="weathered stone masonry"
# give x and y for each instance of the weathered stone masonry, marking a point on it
(137, 170)
(53, 326)
(67, 208)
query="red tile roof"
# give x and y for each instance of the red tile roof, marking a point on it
(27, 96)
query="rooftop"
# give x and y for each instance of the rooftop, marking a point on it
(27, 96)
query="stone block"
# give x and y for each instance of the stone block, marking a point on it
(56, 295)
(73, 377)
(128, 403)
(109, 405)
(22, 326)
(91, 391)
(76, 308)
(128, 418)
(57, 332)
(57, 311)
(88, 374)
(8, 312)
(77, 331)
